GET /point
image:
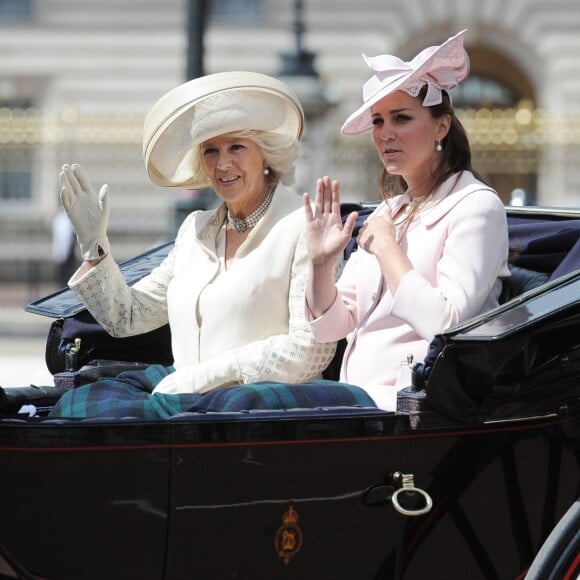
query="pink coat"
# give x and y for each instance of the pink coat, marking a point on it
(458, 245)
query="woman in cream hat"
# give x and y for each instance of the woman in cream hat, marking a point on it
(232, 288)
(432, 254)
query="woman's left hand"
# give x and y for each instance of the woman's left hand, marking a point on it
(326, 235)
(377, 233)
(190, 379)
(199, 378)
(378, 236)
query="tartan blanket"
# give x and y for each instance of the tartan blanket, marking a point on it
(129, 394)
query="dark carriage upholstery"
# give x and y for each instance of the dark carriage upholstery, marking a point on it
(551, 247)
(520, 281)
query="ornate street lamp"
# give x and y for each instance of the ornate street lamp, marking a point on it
(299, 73)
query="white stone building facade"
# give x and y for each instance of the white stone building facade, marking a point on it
(77, 78)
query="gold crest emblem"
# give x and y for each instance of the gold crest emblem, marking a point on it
(288, 540)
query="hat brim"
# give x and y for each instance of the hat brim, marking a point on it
(170, 141)
(361, 120)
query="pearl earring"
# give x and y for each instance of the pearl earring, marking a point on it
(266, 171)
(438, 146)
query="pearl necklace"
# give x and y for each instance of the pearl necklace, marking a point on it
(242, 224)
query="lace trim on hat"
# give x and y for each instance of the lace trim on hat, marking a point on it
(414, 90)
(433, 95)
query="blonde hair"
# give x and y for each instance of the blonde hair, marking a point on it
(280, 153)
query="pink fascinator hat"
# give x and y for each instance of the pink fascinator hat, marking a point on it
(440, 68)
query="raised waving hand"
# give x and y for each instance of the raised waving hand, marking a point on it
(326, 235)
(87, 210)
(326, 238)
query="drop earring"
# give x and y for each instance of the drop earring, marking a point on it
(266, 170)
(438, 146)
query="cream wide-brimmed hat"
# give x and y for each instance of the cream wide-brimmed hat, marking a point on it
(439, 67)
(209, 106)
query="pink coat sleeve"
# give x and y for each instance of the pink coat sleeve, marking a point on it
(474, 254)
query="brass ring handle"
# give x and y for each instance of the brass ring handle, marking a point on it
(409, 487)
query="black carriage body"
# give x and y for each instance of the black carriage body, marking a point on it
(308, 494)
(214, 497)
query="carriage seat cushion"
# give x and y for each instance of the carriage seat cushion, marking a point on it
(274, 396)
(520, 281)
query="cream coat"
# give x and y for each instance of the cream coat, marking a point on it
(240, 325)
(458, 245)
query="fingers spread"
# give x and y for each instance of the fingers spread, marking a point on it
(64, 182)
(319, 196)
(69, 178)
(350, 222)
(307, 207)
(67, 194)
(81, 177)
(67, 199)
(335, 196)
(104, 198)
(327, 194)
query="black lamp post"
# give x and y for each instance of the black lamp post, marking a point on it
(197, 13)
(196, 22)
(298, 70)
(300, 62)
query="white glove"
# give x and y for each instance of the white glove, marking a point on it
(87, 211)
(187, 380)
(220, 371)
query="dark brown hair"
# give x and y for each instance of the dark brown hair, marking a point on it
(455, 156)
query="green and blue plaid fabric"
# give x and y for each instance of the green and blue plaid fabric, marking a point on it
(129, 394)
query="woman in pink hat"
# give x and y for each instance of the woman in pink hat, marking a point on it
(433, 252)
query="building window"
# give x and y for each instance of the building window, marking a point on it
(16, 155)
(15, 176)
(235, 11)
(15, 10)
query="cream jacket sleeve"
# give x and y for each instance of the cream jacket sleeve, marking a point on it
(123, 310)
